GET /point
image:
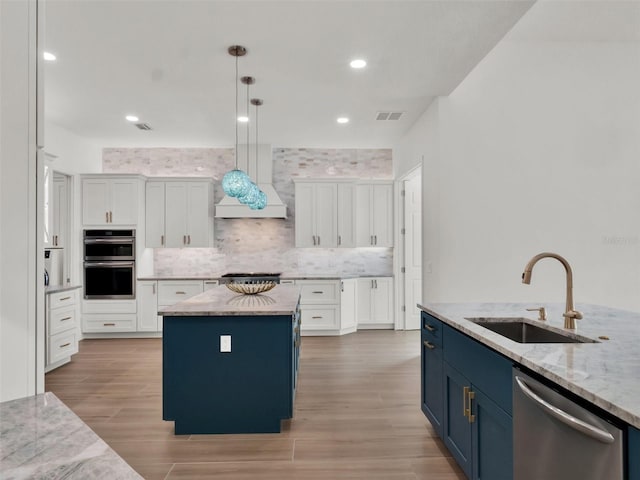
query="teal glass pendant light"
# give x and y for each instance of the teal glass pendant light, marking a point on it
(236, 183)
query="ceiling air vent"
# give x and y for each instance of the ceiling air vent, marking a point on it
(143, 126)
(388, 115)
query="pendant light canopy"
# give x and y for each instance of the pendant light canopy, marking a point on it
(236, 183)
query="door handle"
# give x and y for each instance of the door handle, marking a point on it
(189, 239)
(562, 416)
(314, 239)
(339, 239)
(467, 396)
(431, 346)
(106, 220)
(184, 239)
(371, 240)
(110, 217)
(375, 239)
(429, 327)
(318, 239)
(162, 240)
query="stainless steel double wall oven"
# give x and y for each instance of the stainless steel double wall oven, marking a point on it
(110, 264)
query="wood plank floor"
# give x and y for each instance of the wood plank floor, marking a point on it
(357, 414)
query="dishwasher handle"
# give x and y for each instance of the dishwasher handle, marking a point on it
(569, 420)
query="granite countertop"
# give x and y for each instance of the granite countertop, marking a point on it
(41, 438)
(283, 276)
(220, 301)
(606, 374)
(59, 288)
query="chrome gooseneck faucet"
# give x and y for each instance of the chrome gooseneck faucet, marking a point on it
(570, 315)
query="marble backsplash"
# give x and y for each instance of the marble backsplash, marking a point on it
(260, 244)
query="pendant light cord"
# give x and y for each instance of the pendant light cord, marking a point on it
(248, 84)
(235, 153)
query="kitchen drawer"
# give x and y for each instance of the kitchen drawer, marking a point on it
(431, 329)
(171, 292)
(109, 323)
(61, 346)
(62, 319)
(316, 292)
(108, 307)
(320, 318)
(63, 299)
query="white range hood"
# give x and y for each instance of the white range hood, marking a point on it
(262, 175)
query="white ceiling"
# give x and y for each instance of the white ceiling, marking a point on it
(167, 62)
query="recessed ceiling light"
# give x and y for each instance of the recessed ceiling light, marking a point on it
(132, 118)
(358, 63)
(243, 119)
(49, 57)
(342, 120)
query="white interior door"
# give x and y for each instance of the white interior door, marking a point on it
(413, 250)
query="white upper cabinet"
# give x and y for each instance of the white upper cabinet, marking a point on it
(374, 214)
(346, 215)
(179, 213)
(110, 200)
(316, 214)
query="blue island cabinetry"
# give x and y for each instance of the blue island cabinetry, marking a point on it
(633, 453)
(466, 395)
(230, 371)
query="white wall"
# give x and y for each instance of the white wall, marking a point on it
(74, 154)
(21, 290)
(538, 151)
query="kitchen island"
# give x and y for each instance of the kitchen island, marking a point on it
(467, 369)
(230, 361)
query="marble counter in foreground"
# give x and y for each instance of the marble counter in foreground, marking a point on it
(41, 438)
(220, 301)
(606, 374)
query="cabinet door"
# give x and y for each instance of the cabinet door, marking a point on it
(432, 383)
(147, 298)
(363, 308)
(305, 221)
(382, 215)
(326, 210)
(346, 215)
(634, 453)
(364, 236)
(175, 214)
(154, 215)
(456, 426)
(492, 440)
(382, 300)
(197, 214)
(95, 201)
(59, 212)
(124, 202)
(348, 319)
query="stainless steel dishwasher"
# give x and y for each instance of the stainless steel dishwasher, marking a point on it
(557, 439)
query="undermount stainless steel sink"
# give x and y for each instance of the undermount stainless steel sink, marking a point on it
(523, 330)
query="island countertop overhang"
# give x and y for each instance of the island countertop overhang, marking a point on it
(605, 374)
(220, 301)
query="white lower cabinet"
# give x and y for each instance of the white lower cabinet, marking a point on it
(61, 322)
(109, 316)
(147, 296)
(321, 308)
(375, 303)
(152, 295)
(348, 302)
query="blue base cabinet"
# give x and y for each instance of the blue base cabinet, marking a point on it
(248, 390)
(471, 408)
(432, 372)
(633, 453)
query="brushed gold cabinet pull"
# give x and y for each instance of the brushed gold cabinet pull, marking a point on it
(109, 324)
(317, 291)
(339, 239)
(110, 217)
(162, 240)
(65, 319)
(429, 327)
(65, 345)
(317, 317)
(181, 293)
(471, 417)
(375, 239)
(429, 345)
(189, 239)
(63, 299)
(107, 217)
(154, 288)
(465, 394)
(184, 239)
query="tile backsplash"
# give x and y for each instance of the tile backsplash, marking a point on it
(260, 244)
